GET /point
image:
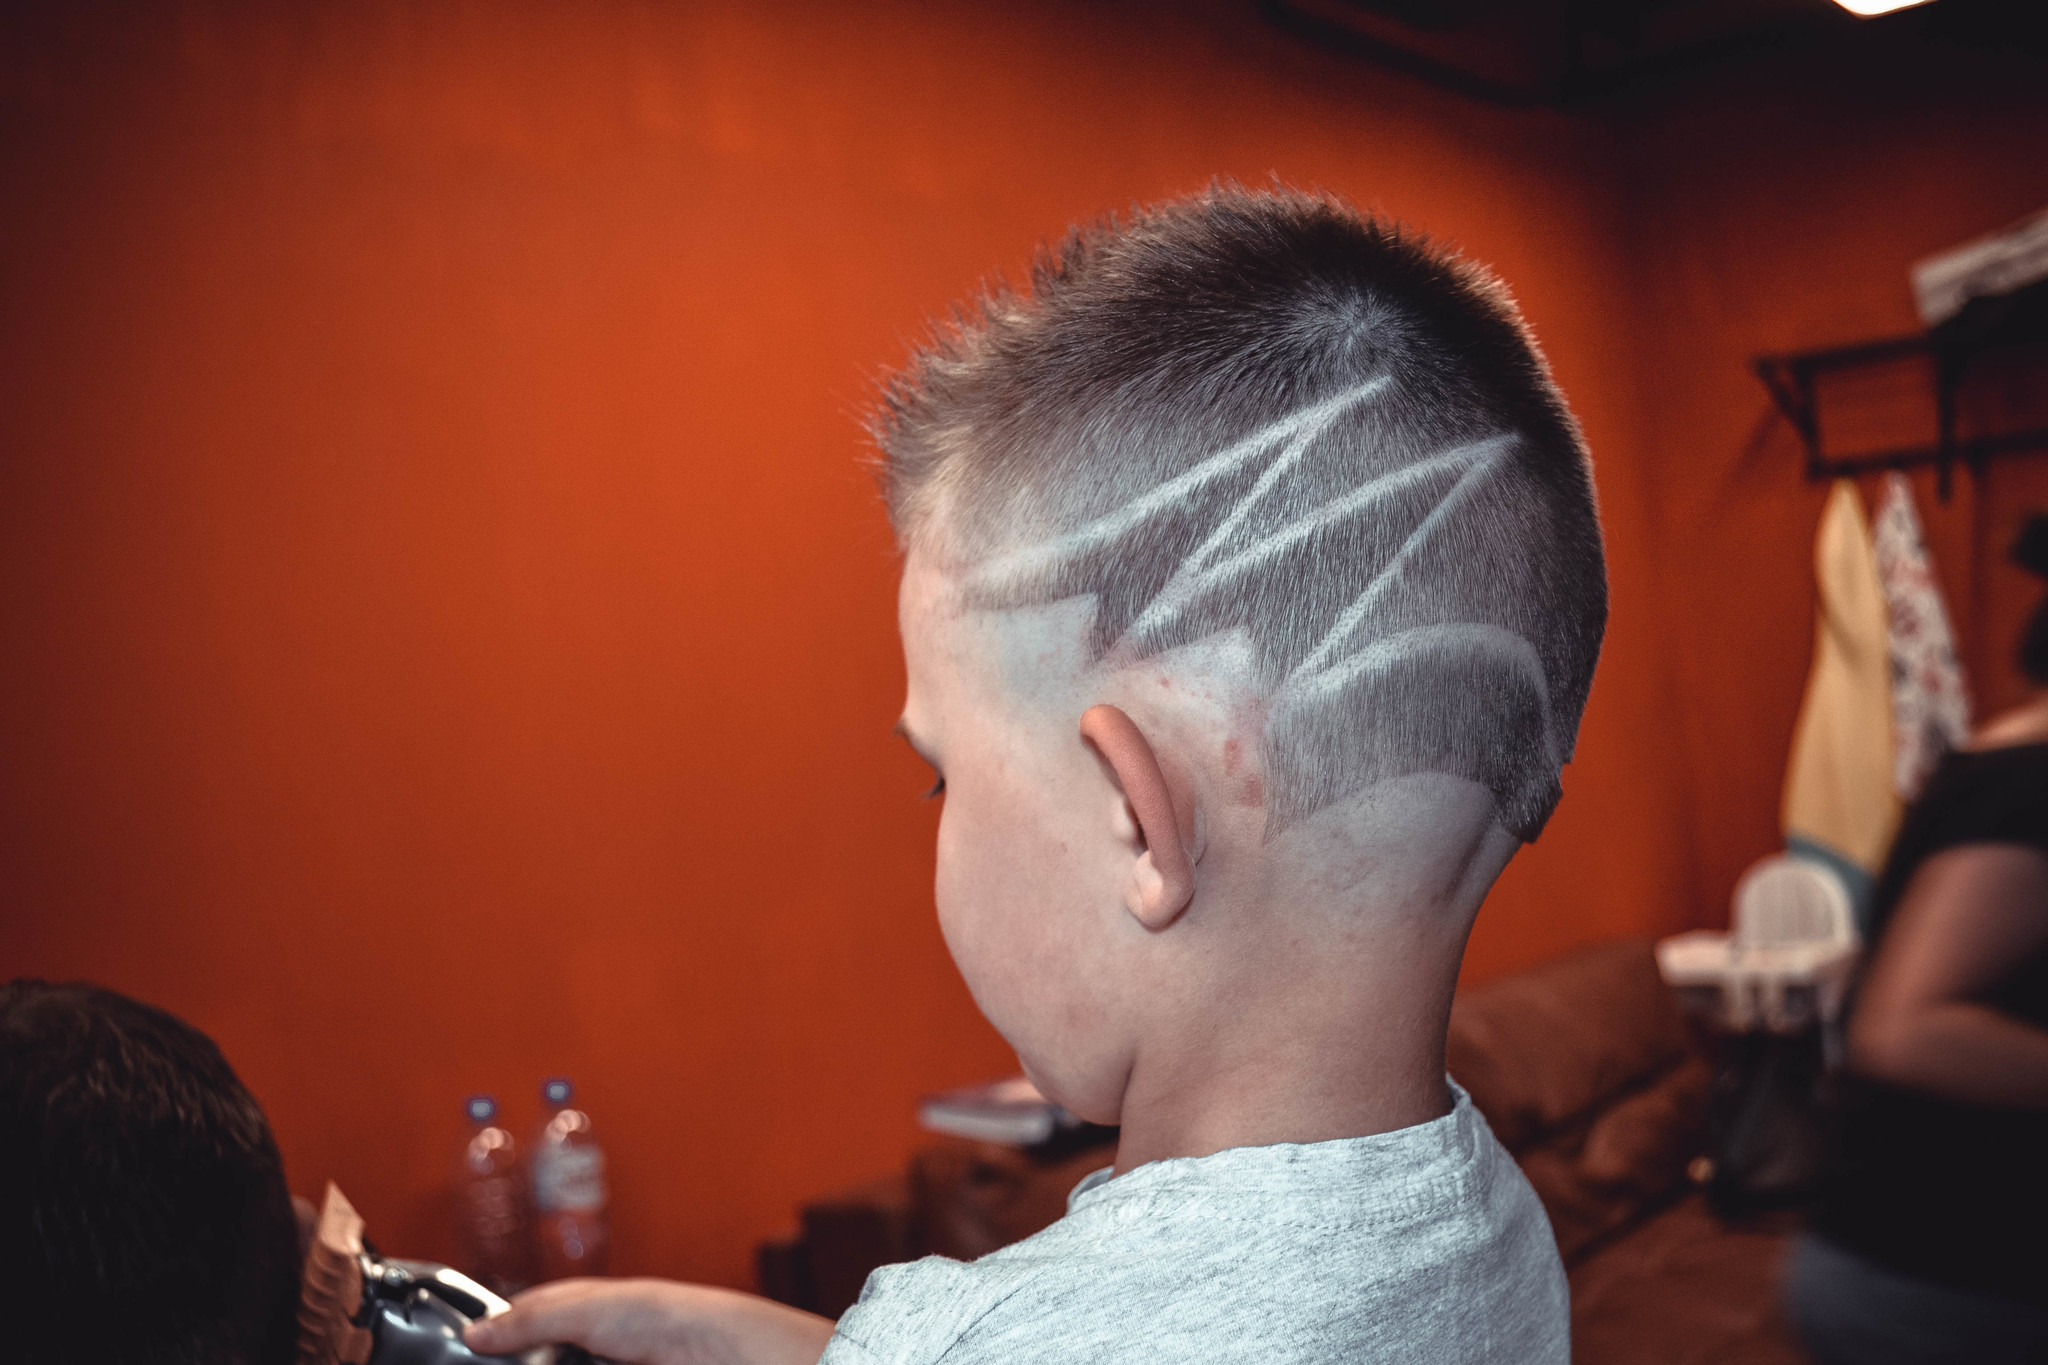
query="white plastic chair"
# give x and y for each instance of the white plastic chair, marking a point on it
(1788, 961)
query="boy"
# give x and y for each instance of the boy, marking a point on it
(1252, 591)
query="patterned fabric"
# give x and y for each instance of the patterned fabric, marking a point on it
(1930, 704)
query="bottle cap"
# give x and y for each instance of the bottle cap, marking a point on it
(480, 1108)
(556, 1091)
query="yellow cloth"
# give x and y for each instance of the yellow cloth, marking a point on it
(1838, 785)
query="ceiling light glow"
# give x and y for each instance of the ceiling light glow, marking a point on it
(1867, 9)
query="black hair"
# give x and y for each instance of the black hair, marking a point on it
(144, 1218)
(2030, 552)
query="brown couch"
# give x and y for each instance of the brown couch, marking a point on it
(1589, 1076)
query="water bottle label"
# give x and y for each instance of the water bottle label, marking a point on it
(569, 1180)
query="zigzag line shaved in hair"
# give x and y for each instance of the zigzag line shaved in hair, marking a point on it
(1362, 605)
(1388, 650)
(1261, 415)
(1296, 429)
(1190, 584)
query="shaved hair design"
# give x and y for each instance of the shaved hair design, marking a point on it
(1261, 413)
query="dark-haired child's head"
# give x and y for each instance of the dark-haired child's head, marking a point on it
(1295, 493)
(144, 1218)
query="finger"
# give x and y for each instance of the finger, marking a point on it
(564, 1310)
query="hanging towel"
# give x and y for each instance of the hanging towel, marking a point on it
(1930, 704)
(1839, 802)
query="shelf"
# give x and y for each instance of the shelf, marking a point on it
(1953, 352)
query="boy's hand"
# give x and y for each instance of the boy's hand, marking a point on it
(655, 1322)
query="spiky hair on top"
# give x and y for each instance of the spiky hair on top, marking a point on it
(1263, 412)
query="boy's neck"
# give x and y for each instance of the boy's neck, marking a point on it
(1307, 1056)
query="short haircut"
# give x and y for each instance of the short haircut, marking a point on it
(144, 1218)
(1266, 413)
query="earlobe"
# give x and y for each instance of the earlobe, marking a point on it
(1163, 877)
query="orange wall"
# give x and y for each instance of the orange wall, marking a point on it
(1778, 209)
(448, 639)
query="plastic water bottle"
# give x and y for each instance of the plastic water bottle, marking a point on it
(569, 1189)
(496, 1225)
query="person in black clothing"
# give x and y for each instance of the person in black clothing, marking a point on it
(1929, 1234)
(143, 1213)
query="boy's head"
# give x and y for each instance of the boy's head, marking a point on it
(143, 1213)
(1253, 579)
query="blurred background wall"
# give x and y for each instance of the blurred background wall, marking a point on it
(446, 631)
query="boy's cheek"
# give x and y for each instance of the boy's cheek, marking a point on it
(974, 917)
(1031, 981)
(961, 889)
(995, 919)
(994, 971)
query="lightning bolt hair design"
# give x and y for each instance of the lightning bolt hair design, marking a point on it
(1260, 414)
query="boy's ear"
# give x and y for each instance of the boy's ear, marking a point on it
(1163, 880)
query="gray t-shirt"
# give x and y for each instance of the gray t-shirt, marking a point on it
(1423, 1244)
